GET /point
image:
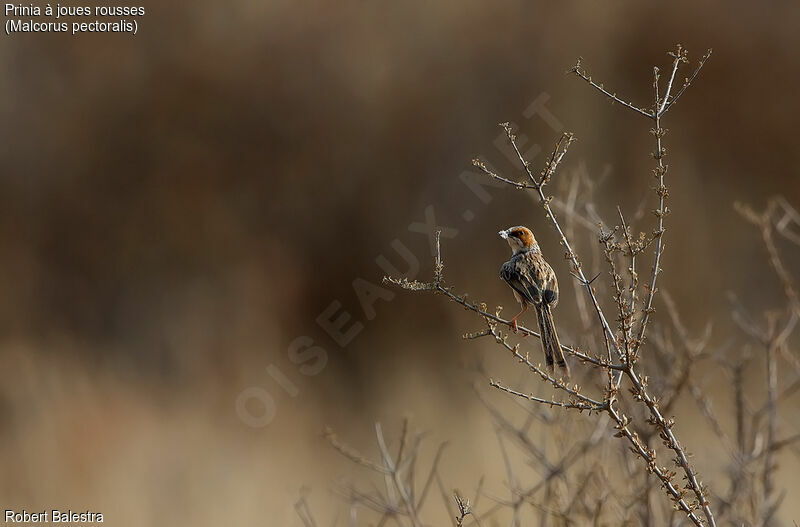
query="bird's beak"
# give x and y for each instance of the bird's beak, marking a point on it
(503, 234)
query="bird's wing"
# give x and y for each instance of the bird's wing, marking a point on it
(549, 285)
(517, 274)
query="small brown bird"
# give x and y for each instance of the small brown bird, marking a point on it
(534, 284)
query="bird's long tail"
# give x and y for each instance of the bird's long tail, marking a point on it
(550, 343)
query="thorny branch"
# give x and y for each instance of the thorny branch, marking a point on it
(481, 309)
(625, 348)
(773, 340)
(565, 494)
(399, 498)
(537, 185)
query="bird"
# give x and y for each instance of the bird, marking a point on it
(534, 283)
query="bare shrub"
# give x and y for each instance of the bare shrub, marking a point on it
(631, 373)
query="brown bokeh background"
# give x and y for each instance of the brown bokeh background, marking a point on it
(177, 207)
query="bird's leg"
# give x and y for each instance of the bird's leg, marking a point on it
(513, 321)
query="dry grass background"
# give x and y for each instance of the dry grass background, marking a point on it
(177, 207)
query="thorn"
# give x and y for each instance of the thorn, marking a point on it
(585, 282)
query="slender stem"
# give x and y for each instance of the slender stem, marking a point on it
(678, 58)
(661, 190)
(772, 421)
(578, 406)
(687, 82)
(577, 70)
(666, 480)
(633, 275)
(672, 443)
(395, 475)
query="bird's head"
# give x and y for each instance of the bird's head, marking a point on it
(519, 239)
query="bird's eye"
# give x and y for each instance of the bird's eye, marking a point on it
(515, 234)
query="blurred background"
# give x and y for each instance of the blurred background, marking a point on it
(183, 212)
